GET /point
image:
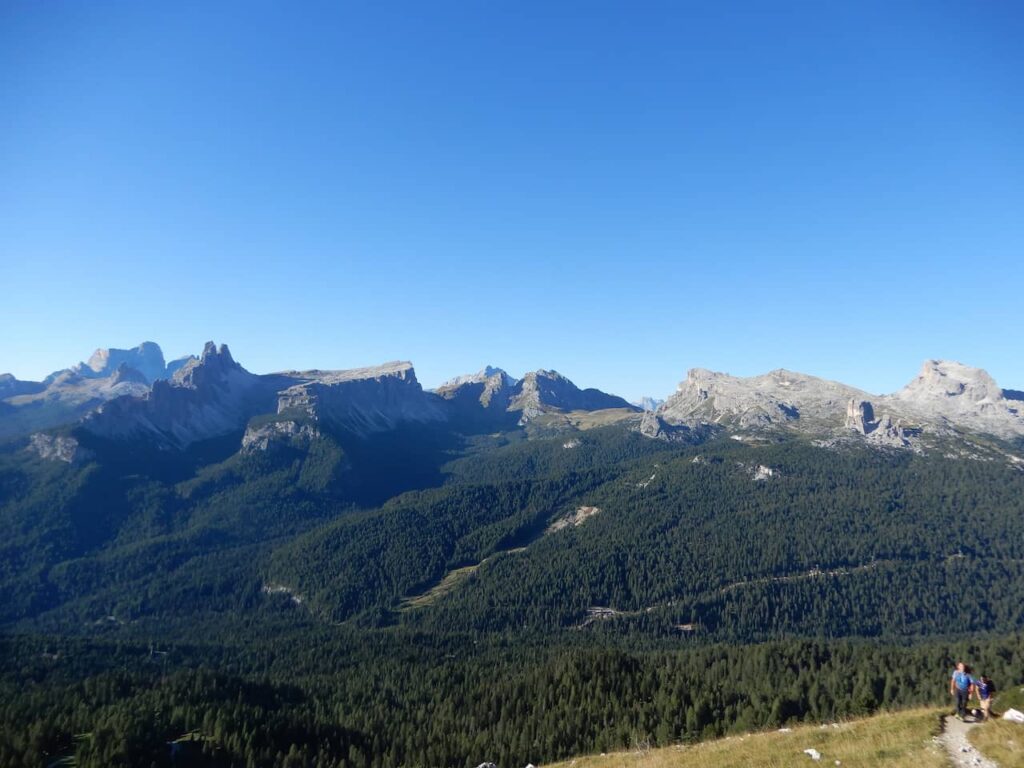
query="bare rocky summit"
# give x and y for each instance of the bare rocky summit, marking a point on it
(361, 401)
(959, 396)
(946, 398)
(542, 391)
(506, 400)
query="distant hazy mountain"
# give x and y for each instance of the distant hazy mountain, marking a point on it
(147, 359)
(649, 403)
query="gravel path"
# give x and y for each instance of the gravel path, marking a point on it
(961, 752)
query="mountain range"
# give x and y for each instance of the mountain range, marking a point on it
(134, 395)
(343, 564)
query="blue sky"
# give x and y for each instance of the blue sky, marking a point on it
(620, 191)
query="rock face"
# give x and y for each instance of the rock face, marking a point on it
(495, 398)
(655, 427)
(542, 390)
(208, 397)
(480, 399)
(961, 396)
(945, 398)
(860, 416)
(58, 448)
(361, 401)
(778, 398)
(278, 433)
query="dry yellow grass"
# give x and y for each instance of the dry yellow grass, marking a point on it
(896, 740)
(451, 580)
(1001, 741)
(584, 420)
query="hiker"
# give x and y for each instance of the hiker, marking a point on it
(986, 691)
(961, 685)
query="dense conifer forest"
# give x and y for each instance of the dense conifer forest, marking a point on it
(425, 601)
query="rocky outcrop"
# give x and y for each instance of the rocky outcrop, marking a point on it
(361, 401)
(777, 399)
(276, 434)
(655, 427)
(860, 416)
(58, 448)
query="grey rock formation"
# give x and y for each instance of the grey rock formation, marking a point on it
(207, 397)
(58, 448)
(480, 399)
(541, 391)
(945, 399)
(493, 398)
(960, 396)
(277, 433)
(361, 401)
(860, 416)
(777, 399)
(655, 427)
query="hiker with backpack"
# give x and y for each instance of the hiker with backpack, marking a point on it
(986, 691)
(961, 685)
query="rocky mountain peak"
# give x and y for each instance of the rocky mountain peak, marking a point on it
(543, 390)
(941, 379)
(215, 364)
(956, 394)
(484, 375)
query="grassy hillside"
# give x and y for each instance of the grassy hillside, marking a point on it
(895, 740)
(1003, 741)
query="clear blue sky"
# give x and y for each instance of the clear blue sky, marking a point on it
(620, 191)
